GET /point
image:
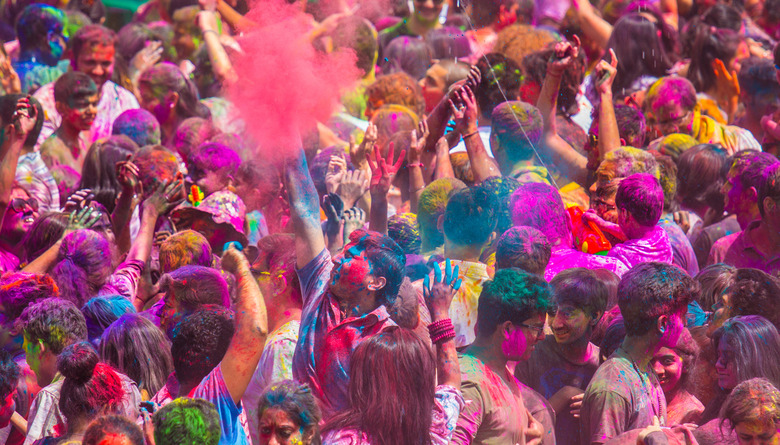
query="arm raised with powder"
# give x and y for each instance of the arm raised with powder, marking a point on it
(304, 209)
(482, 164)
(609, 135)
(572, 164)
(246, 347)
(438, 298)
(382, 173)
(15, 133)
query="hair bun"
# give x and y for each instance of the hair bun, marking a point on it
(77, 362)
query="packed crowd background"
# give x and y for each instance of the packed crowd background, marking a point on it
(520, 223)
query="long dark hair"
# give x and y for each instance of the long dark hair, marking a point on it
(99, 171)
(639, 50)
(395, 405)
(709, 44)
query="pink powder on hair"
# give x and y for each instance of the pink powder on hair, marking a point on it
(284, 84)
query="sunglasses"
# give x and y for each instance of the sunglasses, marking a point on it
(19, 205)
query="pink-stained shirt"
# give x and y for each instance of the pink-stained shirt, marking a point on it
(446, 407)
(327, 338)
(563, 258)
(114, 100)
(738, 250)
(654, 246)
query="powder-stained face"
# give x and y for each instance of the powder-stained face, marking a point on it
(157, 104)
(668, 118)
(276, 428)
(569, 324)
(727, 369)
(32, 352)
(520, 340)
(427, 11)
(97, 62)
(19, 217)
(351, 273)
(432, 86)
(114, 439)
(80, 113)
(668, 366)
(757, 433)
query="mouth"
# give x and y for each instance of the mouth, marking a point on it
(29, 218)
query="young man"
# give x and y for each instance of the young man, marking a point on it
(524, 248)
(758, 245)
(512, 310)
(540, 206)
(468, 224)
(75, 98)
(562, 364)
(345, 299)
(48, 327)
(92, 50)
(624, 394)
(41, 33)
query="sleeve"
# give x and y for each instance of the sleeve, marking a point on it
(44, 418)
(470, 417)
(604, 415)
(446, 410)
(314, 275)
(717, 252)
(213, 389)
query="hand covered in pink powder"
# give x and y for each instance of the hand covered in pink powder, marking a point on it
(465, 115)
(771, 126)
(565, 53)
(438, 295)
(383, 170)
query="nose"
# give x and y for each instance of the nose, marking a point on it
(592, 189)
(719, 365)
(659, 370)
(557, 321)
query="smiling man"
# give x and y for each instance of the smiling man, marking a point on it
(92, 54)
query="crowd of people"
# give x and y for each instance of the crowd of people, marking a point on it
(524, 222)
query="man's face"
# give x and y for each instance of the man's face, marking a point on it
(520, 339)
(19, 217)
(80, 113)
(160, 107)
(756, 432)
(170, 315)
(569, 324)
(603, 191)
(97, 62)
(427, 11)
(669, 118)
(351, 273)
(433, 85)
(737, 201)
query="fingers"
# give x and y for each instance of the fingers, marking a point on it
(390, 153)
(437, 272)
(447, 272)
(613, 57)
(426, 286)
(400, 161)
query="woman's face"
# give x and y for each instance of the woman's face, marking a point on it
(276, 428)
(727, 369)
(668, 366)
(757, 433)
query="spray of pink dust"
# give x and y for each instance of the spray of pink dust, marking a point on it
(285, 86)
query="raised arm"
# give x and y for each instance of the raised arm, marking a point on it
(15, 134)
(438, 297)
(382, 173)
(246, 347)
(304, 209)
(572, 164)
(220, 62)
(437, 120)
(415, 165)
(482, 164)
(127, 176)
(593, 25)
(609, 135)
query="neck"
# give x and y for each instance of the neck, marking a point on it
(185, 388)
(13, 246)
(640, 349)
(485, 350)
(577, 351)
(672, 394)
(77, 427)
(417, 26)
(357, 304)
(70, 135)
(636, 231)
(745, 218)
(279, 315)
(463, 253)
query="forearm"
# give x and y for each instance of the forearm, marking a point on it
(11, 149)
(443, 166)
(121, 217)
(609, 134)
(447, 365)
(416, 186)
(378, 216)
(142, 247)
(45, 261)
(220, 62)
(548, 101)
(594, 27)
(482, 164)
(236, 21)
(437, 124)
(304, 209)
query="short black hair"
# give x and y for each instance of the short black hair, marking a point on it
(502, 187)
(56, 322)
(770, 187)
(499, 73)
(582, 289)
(632, 125)
(74, 86)
(200, 341)
(525, 248)
(387, 260)
(759, 76)
(9, 374)
(512, 295)
(470, 216)
(642, 196)
(113, 425)
(650, 290)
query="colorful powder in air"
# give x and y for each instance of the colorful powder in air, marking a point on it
(284, 83)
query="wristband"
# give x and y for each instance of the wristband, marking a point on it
(208, 31)
(415, 164)
(441, 330)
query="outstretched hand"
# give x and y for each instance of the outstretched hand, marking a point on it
(565, 54)
(605, 73)
(166, 197)
(384, 170)
(726, 82)
(82, 219)
(419, 139)
(465, 115)
(438, 295)
(24, 117)
(234, 261)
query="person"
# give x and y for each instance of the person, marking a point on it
(134, 346)
(89, 388)
(511, 314)
(213, 167)
(188, 289)
(524, 248)
(288, 414)
(432, 203)
(348, 294)
(752, 412)
(438, 80)
(139, 125)
(562, 365)
(75, 98)
(757, 245)
(639, 201)
(41, 34)
(624, 393)
(674, 368)
(418, 410)
(540, 206)
(113, 427)
(100, 312)
(515, 131)
(99, 173)
(759, 90)
(424, 18)
(9, 380)
(92, 53)
(17, 220)
(670, 107)
(187, 420)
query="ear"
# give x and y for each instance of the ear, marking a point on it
(662, 325)
(440, 223)
(377, 283)
(173, 99)
(623, 142)
(505, 328)
(752, 194)
(492, 238)
(769, 204)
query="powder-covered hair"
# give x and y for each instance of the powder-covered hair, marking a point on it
(470, 216)
(83, 265)
(100, 312)
(88, 37)
(165, 78)
(186, 420)
(714, 280)
(387, 260)
(755, 292)
(432, 202)
(755, 345)
(18, 290)
(770, 187)
(754, 400)
(139, 125)
(517, 126)
(277, 257)
(55, 322)
(502, 187)
(196, 286)
(396, 89)
(157, 165)
(581, 288)
(400, 416)
(750, 165)
(512, 295)
(214, 157)
(630, 160)
(139, 349)
(650, 290)
(90, 387)
(200, 341)
(191, 133)
(403, 230)
(540, 206)
(297, 401)
(113, 426)
(410, 55)
(642, 196)
(525, 248)
(667, 90)
(34, 24)
(74, 86)
(185, 248)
